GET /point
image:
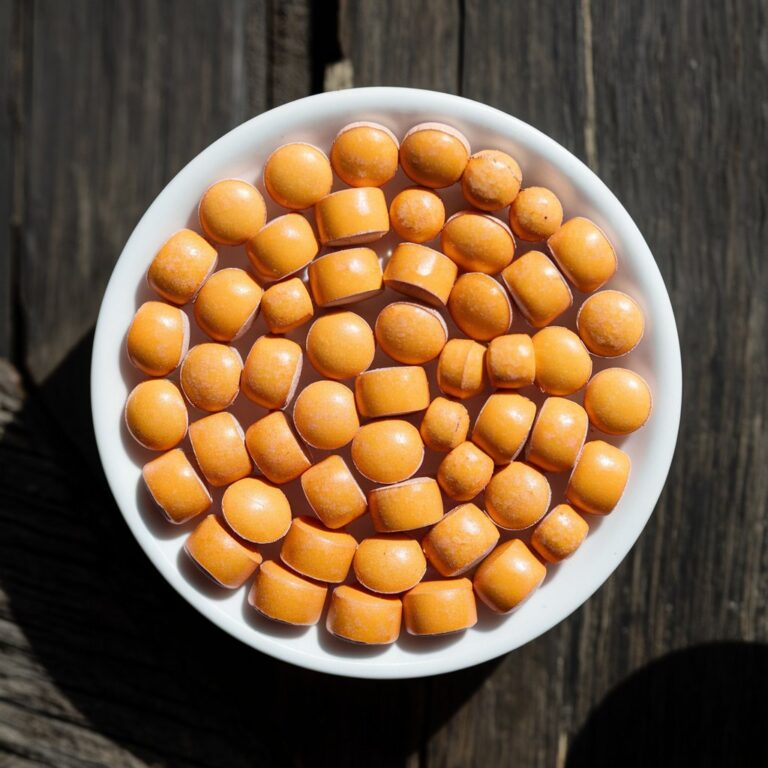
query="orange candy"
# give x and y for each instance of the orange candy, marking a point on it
(491, 180)
(210, 376)
(282, 247)
(314, 551)
(232, 211)
(325, 416)
(535, 214)
(445, 425)
(563, 365)
(598, 480)
(502, 426)
(365, 154)
(461, 368)
(434, 155)
(477, 242)
(275, 451)
(156, 415)
(392, 391)
(158, 338)
(508, 576)
(511, 361)
(410, 333)
(271, 371)
(360, 617)
(256, 511)
(218, 443)
(610, 323)
(352, 216)
(558, 435)
(517, 497)
(181, 266)
(421, 272)
(284, 596)
(286, 305)
(480, 307)
(559, 534)
(389, 564)
(340, 345)
(465, 471)
(345, 277)
(439, 607)
(618, 401)
(333, 493)
(583, 253)
(175, 486)
(417, 214)
(227, 304)
(297, 175)
(388, 451)
(406, 506)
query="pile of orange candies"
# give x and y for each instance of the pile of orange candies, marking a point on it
(300, 274)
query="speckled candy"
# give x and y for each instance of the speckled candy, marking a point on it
(256, 511)
(417, 214)
(156, 415)
(445, 425)
(232, 211)
(508, 576)
(439, 607)
(420, 272)
(387, 451)
(517, 497)
(503, 425)
(282, 595)
(345, 277)
(275, 451)
(175, 486)
(583, 253)
(410, 333)
(598, 480)
(365, 154)
(461, 368)
(557, 435)
(218, 443)
(465, 472)
(434, 154)
(406, 506)
(360, 617)
(158, 338)
(389, 564)
(392, 391)
(352, 217)
(210, 376)
(477, 242)
(511, 361)
(333, 493)
(563, 365)
(297, 175)
(491, 180)
(610, 323)
(618, 401)
(535, 214)
(286, 305)
(271, 371)
(479, 306)
(282, 247)
(340, 345)
(227, 304)
(316, 552)
(559, 534)
(325, 415)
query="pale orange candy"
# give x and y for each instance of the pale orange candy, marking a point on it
(538, 288)
(297, 175)
(226, 560)
(460, 540)
(461, 368)
(511, 361)
(392, 391)
(434, 154)
(256, 511)
(232, 211)
(333, 493)
(365, 154)
(583, 253)
(271, 371)
(282, 595)
(181, 266)
(156, 415)
(325, 416)
(218, 443)
(421, 272)
(480, 307)
(563, 365)
(477, 242)
(388, 451)
(406, 506)
(559, 534)
(417, 214)
(314, 551)
(360, 617)
(345, 277)
(610, 323)
(389, 564)
(340, 345)
(445, 425)
(508, 576)
(503, 425)
(491, 180)
(464, 472)
(598, 480)
(275, 451)
(286, 305)
(618, 401)
(410, 333)
(158, 338)
(517, 497)
(282, 247)
(535, 214)
(227, 304)
(558, 435)
(210, 376)
(352, 216)
(175, 486)
(439, 607)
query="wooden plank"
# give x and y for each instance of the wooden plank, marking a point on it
(8, 56)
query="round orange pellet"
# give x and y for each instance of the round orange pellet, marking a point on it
(598, 480)
(417, 214)
(282, 247)
(439, 607)
(271, 371)
(491, 180)
(256, 511)
(464, 472)
(156, 415)
(314, 551)
(558, 435)
(563, 365)
(406, 506)
(445, 425)
(158, 338)
(392, 391)
(559, 534)
(461, 368)
(297, 175)
(365, 154)
(333, 493)
(388, 451)
(511, 361)
(175, 486)
(410, 333)
(340, 345)
(285, 596)
(508, 576)
(352, 216)
(502, 426)
(434, 155)
(325, 416)
(535, 214)
(517, 497)
(477, 242)
(360, 617)
(345, 277)
(227, 304)
(210, 376)
(480, 307)
(275, 451)
(286, 305)
(610, 323)
(218, 443)
(421, 272)
(618, 401)
(389, 564)
(583, 253)
(232, 211)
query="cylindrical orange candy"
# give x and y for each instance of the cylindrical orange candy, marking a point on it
(210, 376)
(535, 214)
(410, 333)
(480, 307)
(286, 305)
(517, 497)
(417, 214)
(461, 368)
(583, 253)
(503, 425)
(477, 242)
(218, 443)
(156, 415)
(434, 154)
(297, 175)
(340, 345)
(460, 540)
(389, 564)
(285, 596)
(360, 617)
(175, 486)
(314, 551)
(181, 266)
(388, 451)
(464, 472)
(158, 338)
(598, 480)
(508, 576)
(445, 425)
(610, 323)
(275, 451)
(558, 435)
(272, 371)
(563, 365)
(227, 304)
(421, 272)
(491, 180)
(406, 506)
(352, 216)
(345, 277)
(511, 361)
(618, 401)
(226, 560)
(282, 247)
(439, 607)
(256, 511)
(333, 493)
(538, 288)
(392, 391)
(232, 211)
(559, 534)
(325, 415)
(365, 154)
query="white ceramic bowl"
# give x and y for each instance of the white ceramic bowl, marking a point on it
(316, 119)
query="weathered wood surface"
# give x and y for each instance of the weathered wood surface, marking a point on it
(104, 102)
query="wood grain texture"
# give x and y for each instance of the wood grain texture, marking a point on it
(8, 55)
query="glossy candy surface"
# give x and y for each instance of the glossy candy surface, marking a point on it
(158, 338)
(297, 175)
(325, 415)
(421, 272)
(210, 376)
(434, 155)
(156, 415)
(365, 154)
(232, 211)
(439, 607)
(410, 333)
(340, 345)
(618, 401)
(181, 266)
(417, 214)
